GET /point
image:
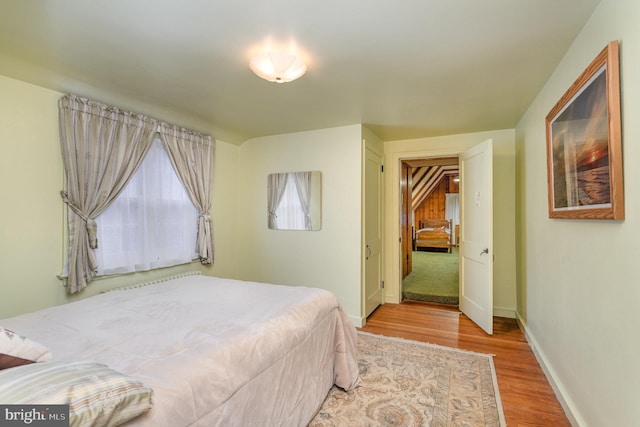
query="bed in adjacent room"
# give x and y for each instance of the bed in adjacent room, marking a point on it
(434, 234)
(209, 351)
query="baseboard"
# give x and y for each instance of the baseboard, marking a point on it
(561, 393)
(358, 322)
(504, 312)
(389, 299)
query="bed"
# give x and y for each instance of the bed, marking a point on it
(432, 234)
(213, 352)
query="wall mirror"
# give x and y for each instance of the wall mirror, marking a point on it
(294, 200)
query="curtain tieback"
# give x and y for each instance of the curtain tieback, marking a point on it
(202, 245)
(205, 216)
(90, 223)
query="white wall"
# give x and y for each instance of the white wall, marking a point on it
(31, 216)
(504, 297)
(328, 258)
(224, 207)
(578, 280)
(31, 178)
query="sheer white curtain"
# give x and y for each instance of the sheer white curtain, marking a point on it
(152, 223)
(289, 213)
(452, 212)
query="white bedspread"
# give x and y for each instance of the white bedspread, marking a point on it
(215, 351)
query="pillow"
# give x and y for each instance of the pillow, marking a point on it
(16, 350)
(96, 394)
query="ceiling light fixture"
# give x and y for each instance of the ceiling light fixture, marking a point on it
(278, 67)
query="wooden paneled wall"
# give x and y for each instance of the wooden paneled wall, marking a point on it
(433, 207)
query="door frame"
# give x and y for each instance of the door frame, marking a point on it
(393, 284)
(406, 183)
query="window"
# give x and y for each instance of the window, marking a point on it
(151, 224)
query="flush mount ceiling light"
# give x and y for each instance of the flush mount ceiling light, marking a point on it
(278, 67)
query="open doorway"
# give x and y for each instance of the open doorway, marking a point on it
(430, 223)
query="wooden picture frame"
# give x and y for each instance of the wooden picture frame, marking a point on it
(584, 147)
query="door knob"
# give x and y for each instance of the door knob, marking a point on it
(484, 251)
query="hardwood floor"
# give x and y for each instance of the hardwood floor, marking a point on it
(527, 397)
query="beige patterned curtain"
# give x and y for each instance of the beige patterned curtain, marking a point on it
(102, 148)
(303, 185)
(192, 157)
(276, 184)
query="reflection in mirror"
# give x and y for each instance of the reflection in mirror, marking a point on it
(293, 200)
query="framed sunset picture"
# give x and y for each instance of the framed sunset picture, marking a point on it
(584, 147)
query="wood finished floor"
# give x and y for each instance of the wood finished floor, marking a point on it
(527, 397)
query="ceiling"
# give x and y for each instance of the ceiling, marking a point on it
(405, 68)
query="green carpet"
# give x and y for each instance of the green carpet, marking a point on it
(434, 277)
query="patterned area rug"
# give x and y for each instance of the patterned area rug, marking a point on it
(407, 383)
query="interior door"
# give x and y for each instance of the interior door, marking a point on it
(476, 246)
(373, 291)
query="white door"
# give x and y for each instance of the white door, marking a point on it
(476, 234)
(373, 292)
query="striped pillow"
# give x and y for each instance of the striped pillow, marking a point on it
(96, 394)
